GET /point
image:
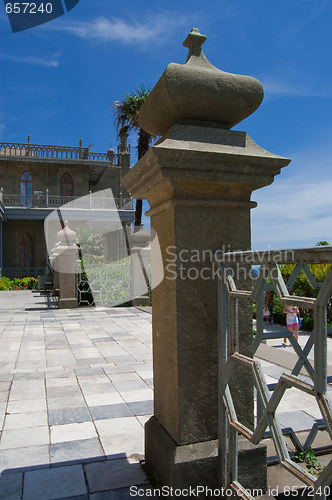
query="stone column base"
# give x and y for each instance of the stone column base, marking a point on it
(197, 464)
(70, 303)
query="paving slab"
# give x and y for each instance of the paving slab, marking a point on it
(13, 460)
(113, 474)
(11, 486)
(24, 437)
(110, 411)
(71, 415)
(72, 432)
(76, 452)
(55, 483)
(21, 420)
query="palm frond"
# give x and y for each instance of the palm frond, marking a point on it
(126, 110)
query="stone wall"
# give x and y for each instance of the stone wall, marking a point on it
(13, 230)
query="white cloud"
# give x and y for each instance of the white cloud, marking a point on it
(52, 62)
(292, 213)
(284, 86)
(115, 29)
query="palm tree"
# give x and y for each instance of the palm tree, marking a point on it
(126, 119)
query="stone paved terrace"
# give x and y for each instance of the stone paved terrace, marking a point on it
(75, 392)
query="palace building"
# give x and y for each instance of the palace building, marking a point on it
(37, 179)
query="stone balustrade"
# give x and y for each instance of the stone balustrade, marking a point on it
(46, 200)
(51, 151)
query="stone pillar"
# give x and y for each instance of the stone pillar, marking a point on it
(140, 255)
(110, 155)
(124, 155)
(65, 263)
(198, 179)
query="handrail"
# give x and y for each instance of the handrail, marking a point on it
(23, 272)
(52, 201)
(319, 255)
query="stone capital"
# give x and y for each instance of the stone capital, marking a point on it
(206, 165)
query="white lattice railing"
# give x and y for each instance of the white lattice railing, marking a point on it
(45, 200)
(314, 384)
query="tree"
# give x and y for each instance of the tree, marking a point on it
(302, 286)
(91, 247)
(126, 119)
(322, 243)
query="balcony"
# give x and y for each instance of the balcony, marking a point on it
(45, 200)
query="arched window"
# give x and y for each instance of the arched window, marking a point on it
(66, 186)
(25, 250)
(26, 189)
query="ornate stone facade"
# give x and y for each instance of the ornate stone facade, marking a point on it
(36, 179)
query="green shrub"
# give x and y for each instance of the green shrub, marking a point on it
(278, 314)
(307, 323)
(28, 283)
(5, 283)
(32, 283)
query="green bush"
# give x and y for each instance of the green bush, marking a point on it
(302, 286)
(307, 323)
(31, 282)
(5, 283)
(28, 283)
(278, 314)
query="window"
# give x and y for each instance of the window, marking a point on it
(26, 189)
(66, 187)
(26, 250)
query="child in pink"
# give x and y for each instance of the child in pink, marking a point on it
(292, 320)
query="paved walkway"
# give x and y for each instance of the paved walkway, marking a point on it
(75, 392)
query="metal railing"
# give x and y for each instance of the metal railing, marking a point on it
(230, 357)
(23, 272)
(46, 200)
(52, 151)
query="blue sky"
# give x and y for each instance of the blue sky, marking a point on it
(59, 80)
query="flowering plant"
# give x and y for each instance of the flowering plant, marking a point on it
(28, 283)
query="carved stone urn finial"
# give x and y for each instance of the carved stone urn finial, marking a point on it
(66, 235)
(197, 90)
